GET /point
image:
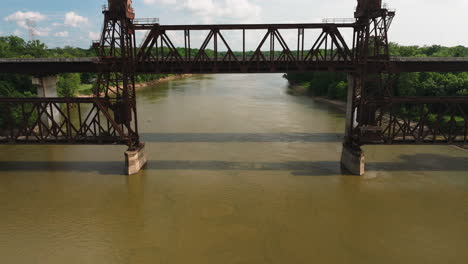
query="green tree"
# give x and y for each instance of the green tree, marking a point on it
(68, 84)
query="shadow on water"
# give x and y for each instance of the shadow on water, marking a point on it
(241, 137)
(417, 162)
(311, 103)
(321, 168)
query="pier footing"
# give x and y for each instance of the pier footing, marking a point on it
(352, 159)
(135, 160)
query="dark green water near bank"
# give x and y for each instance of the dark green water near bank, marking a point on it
(239, 172)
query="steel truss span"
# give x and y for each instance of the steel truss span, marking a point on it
(328, 49)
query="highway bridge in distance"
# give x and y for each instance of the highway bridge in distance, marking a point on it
(45, 66)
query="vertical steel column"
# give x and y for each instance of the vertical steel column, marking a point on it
(118, 51)
(370, 42)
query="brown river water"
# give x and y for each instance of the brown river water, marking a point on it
(239, 172)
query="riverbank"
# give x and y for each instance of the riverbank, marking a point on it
(165, 79)
(301, 90)
(339, 105)
(146, 84)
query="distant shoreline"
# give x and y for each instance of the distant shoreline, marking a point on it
(150, 83)
(300, 90)
(165, 79)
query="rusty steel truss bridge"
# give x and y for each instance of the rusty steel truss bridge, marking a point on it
(374, 115)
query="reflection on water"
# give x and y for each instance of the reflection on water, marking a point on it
(239, 172)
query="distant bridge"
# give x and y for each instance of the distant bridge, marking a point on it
(47, 66)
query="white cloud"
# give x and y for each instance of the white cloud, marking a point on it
(17, 33)
(166, 2)
(208, 10)
(21, 17)
(62, 34)
(72, 19)
(40, 32)
(28, 20)
(94, 35)
(242, 9)
(25, 18)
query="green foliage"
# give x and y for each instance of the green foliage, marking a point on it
(341, 90)
(68, 84)
(432, 84)
(150, 77)
(427, 51)
(70, 52)
(16, 47)
(332, 85)
(14, 85)
(88, 78)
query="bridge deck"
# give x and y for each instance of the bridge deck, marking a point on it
(42, 66)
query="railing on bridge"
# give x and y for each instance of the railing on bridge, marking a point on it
(47, 60)
(58, 121)
(338, 20)
(415, 120)
(429, 59)
(146, 21)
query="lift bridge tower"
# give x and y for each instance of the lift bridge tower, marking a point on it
(116, 49)
(370, 45)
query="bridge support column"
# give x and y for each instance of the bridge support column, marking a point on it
(47, 87)
(352, 157)
(135, 159)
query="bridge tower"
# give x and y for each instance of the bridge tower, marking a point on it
(370, 45)
(116, 49)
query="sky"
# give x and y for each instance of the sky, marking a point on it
(76, 23)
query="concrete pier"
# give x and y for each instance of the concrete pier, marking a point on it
(353, 160)
(47, 87)
(135, 160)
(352, 157)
